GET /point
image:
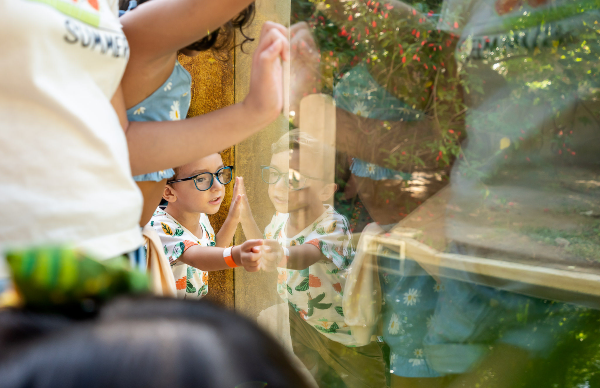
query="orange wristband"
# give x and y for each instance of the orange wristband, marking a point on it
(228, 257)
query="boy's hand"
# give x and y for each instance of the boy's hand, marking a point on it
(240, 189)
(248, 255)
(272, 255)
(237, 202)
(265, 98)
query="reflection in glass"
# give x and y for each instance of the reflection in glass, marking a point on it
(464, 140)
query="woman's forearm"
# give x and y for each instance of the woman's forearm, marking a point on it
(155, 146)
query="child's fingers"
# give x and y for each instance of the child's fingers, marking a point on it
(248, 245)
(236, 188)
(242, 186)
(271, 245)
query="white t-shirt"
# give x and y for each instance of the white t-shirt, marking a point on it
(64, 170)
(191, 283)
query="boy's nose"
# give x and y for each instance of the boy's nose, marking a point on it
(216, 184)
(282, 184)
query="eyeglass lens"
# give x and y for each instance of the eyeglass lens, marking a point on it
(292, 178)
(205, 181)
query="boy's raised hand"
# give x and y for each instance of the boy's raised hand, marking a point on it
(238, 200)
(264, 101)
(248, 255)
(272, 255)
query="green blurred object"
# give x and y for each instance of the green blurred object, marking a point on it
(64, 280)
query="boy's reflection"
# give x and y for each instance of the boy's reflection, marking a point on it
(312, 276)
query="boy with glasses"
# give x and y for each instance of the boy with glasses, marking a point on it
(190, 244)
(312, 262)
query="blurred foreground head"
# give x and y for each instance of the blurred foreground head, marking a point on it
(144, 342)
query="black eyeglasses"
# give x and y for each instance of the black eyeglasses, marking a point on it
(295, 181)
(205, 180)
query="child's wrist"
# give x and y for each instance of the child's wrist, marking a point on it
(228, 257)
(236, 255)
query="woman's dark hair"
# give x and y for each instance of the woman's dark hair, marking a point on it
(220, 40)
(146, 342)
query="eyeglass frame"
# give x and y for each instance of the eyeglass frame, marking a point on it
(281, 174)
(212, 178)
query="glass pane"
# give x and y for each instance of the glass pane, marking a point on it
(449, 230)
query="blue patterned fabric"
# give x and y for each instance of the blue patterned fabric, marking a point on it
(410, 296)
(132, 5)
(370, 170)
(169, 102)
(359, 93)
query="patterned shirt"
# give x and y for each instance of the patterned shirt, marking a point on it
(316, 292)
(191, 283)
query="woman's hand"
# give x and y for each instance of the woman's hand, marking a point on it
(265, 99)
(305, 72)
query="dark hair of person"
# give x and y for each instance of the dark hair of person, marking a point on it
(220, 40)
(143, 342)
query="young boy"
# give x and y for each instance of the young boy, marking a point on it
(311, 271)
(198, 189)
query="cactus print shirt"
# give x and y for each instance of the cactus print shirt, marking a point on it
(191, 283)
(316, 292)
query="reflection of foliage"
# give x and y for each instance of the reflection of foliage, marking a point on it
(547, 86)
(407, 57)
(583, 242)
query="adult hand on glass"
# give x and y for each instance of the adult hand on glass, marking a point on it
(305, 73)
(265, 99)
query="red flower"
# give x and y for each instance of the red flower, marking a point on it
(337, 287)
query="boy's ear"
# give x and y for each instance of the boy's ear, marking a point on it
(327, 191)
(169, 194)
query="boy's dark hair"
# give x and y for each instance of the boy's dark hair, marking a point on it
(221, 39)
(145, 342)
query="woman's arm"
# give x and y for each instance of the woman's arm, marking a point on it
(155, 146)
(162, 27)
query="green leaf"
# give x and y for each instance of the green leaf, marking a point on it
(290, 290)
(303, 286)
(320, 230)
(332, 329)
(339, 310)
(190, 289)
(178, 232)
